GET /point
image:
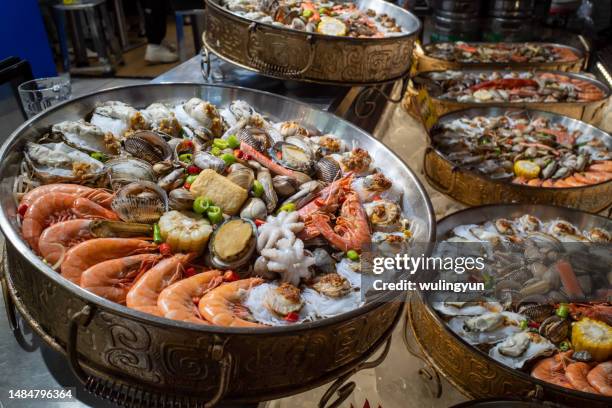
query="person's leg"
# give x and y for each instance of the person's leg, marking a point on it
(155, 12)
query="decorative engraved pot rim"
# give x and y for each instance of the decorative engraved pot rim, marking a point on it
(457, 218)
(282, 29)
(11, 234)
(491, 110)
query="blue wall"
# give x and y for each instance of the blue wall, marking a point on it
(22, 34)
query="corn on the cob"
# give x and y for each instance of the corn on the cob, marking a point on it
(185, 231)
(593, 336)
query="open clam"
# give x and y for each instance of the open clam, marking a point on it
(233, 243)
(141, 201)
(292, 157)
(58, 162)
(86, 137)
(285, 185)
(148, 146)
(125, 170)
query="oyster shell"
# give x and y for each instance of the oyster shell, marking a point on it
(520, 348)
(148, 146)
(325, 306)
(118, 118)
(489, 328)
(162, 119)
(254, 209)
(125, 170)
(241, 175)
(233, 243)
(468, 308)
(201, 118)
(332, 285)
(58, 162)
(86, 137)
(141, 201)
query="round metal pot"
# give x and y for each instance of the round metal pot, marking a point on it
(467, 368)
(590, 112)
(156, 359)
(472, 188)
(428, 63)
(285, 53)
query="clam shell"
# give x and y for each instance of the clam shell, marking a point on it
(241, 175)
(285, 186)
(327, 169)
(125, 170)
(205, 160)
(256, 138)
(148, 146)
(254, 209)
(269, 196)
(180, 199)
(292, 157)
(227, 249)
(141, 201)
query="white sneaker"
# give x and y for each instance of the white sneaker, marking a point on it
(158, 54)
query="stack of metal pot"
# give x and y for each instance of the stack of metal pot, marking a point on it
(456, 20)
(508, 20)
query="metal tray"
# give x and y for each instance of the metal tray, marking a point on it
(428, 63)
(155, 359)
(286, 53)
(470, 370)
(473, 188)
(590, 112)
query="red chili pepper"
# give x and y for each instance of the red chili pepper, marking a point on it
(319, 202)
(188, 143)
(377, 198)
(193, 169)
(230, 276)
(165, 249)
(292, 317)
(259, 222)
(504, 83)
(533, 324)
(190, 271)
(187, 186)
(22, 209)
(238, 153)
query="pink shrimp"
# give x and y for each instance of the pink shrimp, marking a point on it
(81, 257)
(97, 195)
(144, 293)
(178, 301)
(55, 207)
(113, 279)
(221, 306)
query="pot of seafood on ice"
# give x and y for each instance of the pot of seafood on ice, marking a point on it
(542, 326)
(502, 155)
(202, 241)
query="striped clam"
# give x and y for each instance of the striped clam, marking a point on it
(148, 146)
(256, 138)
(233, 243)
(141, 201)
(327, 169)
(285, 186)
(124, 170)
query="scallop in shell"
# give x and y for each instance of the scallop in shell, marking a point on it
(125, 170)
(233, 243)
(241, 175)
(383, 214)
(292, 157)
(140, 201)
(488, 328)
(148, 146)
(327, 169)
(520, 348)
(256, 301)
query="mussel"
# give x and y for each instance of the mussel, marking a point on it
(148, 146)
(233, 243)
(142, 202)
(125, 170)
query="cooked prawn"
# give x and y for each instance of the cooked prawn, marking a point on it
(100, 196)
(600, 378)
(145, 291)
(576, 373)
(56, 240)
(551, 370)
(603, 166)
(81, 257)
(221, 306)
(56, 207)
(178, 301)
(113, 278)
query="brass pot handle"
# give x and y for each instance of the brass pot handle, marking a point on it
(434, 183)
(133, 396)
(278, 70)
(343, 390)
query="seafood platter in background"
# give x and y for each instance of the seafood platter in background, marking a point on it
(208, 214)
(440, 56)
(573, 95)
(359, 42)
(545, 314)
(322, 17)
(518, 155)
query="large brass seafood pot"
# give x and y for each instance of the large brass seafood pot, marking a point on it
(114, 344)
(590, 112)
(291, 54)
(473, 188)
(470, 370)
(426, 62)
